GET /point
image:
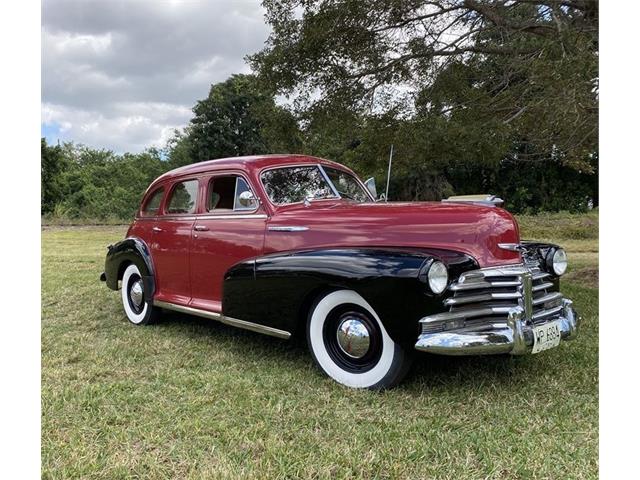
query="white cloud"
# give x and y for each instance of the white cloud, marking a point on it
(123, 74)
(122, 127)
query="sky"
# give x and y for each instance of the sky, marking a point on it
(123, 74)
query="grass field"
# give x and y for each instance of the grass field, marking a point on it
(190, 398)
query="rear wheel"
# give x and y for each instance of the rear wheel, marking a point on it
(137, 306)
(349, 343)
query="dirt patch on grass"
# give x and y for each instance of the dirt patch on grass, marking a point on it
(586, 276)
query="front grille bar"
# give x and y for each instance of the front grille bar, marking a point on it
(488, 295)
(465, 314)
(549, 297)
(547, 313)
(484, 297)
(542, 286)
(478, 285)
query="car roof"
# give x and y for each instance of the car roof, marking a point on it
(251, 162)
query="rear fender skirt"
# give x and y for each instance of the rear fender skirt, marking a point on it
(130, 250)
(277, 290)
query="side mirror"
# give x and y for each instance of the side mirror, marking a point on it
(247, 200)
(370, 183)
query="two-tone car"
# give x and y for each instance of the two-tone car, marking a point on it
(295, 245)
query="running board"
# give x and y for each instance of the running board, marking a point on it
(234, 322)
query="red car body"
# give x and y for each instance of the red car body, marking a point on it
(270, 267)
(230, 238)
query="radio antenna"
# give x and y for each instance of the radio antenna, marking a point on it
(386, 193)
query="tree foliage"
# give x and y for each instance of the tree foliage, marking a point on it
(97, 184)
(518, 78)
(52, 164)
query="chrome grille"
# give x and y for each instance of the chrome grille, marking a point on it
(485, 296)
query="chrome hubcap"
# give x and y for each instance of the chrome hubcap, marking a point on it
(136, 293)
(353, 337)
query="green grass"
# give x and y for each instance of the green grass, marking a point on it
(560, 226)
(190, 398)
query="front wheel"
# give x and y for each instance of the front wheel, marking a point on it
(137, 305)
(349, 343)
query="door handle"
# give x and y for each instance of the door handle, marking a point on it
(201, 228)
(156, 229)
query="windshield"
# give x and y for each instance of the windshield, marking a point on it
(347, 185)
(295, 184)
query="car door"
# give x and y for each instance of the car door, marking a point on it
(230, 229)
(170, 241)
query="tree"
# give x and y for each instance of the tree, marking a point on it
(99, 184)
(237, 118)
(52, 163)
(527, 70)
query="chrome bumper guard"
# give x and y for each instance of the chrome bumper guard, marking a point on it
(489, 327)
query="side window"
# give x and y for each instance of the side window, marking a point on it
(152, 205)
(230, 193)
(183, 197)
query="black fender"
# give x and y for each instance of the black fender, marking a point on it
(130, 250)
(278, 290)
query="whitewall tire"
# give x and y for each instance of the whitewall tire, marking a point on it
(350, 344)
(137, 306)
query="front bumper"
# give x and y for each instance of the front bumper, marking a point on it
(495, 310)
(514, 337)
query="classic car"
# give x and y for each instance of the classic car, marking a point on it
(295, 245)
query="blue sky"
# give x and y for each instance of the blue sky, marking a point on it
(51, 132)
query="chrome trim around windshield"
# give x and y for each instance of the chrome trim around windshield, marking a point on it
(328, 180)
(254, 327)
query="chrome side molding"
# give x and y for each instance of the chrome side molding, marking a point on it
(236, 216)
(234, 322)
(288, 228)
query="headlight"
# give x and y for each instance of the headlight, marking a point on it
(438, 277)
(557, 261)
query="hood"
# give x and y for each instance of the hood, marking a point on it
(471, 229)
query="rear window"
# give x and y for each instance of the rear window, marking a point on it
(183, 197)
(152, 206)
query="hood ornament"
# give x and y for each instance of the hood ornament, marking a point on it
(487, 200)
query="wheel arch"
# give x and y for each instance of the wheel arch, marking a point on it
(124, 253)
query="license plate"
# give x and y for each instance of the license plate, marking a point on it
(546, 336)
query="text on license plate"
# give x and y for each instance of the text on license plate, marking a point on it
(546, 336)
